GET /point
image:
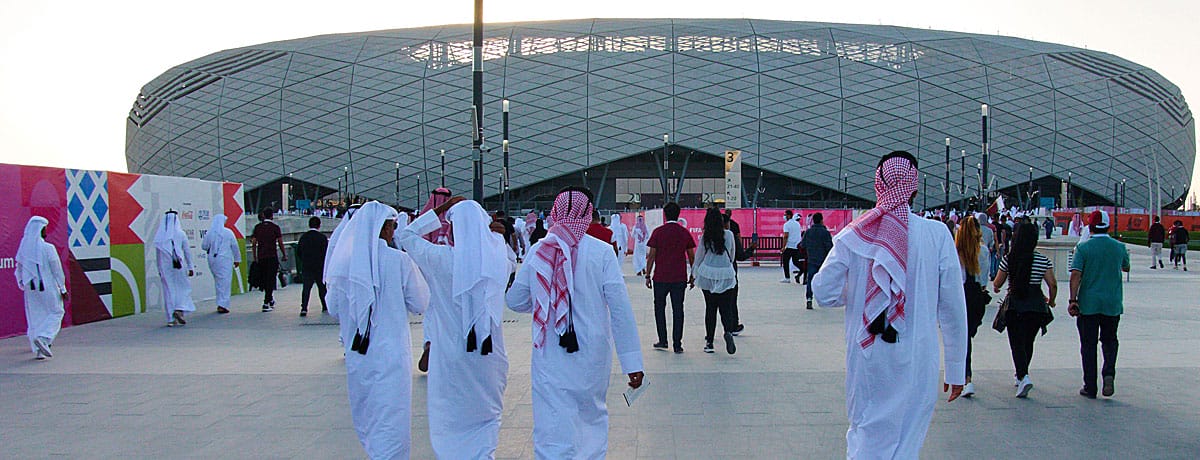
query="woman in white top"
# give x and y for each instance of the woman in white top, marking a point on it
(713, 271)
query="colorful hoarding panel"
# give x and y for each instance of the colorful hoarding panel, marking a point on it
(100, 221)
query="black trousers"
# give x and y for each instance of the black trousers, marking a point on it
(269, 269)
(714, 303)
(811, 271)
(309, 280)
(1022, 330)
(788, 257)
(972, 329)
(660, 310)
(1104, 329)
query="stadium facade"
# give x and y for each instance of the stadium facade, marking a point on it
(810, 105)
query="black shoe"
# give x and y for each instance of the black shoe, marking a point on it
(708, 348)
(222, 310)
(303, 313)
(324, 309)
(678, 348)
(729, 346)
(739, 329)
(660, 346)
(809, 307)
(423, 363)
(178, 315)
(1090, 394)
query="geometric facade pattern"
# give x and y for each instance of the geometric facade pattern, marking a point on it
(812, 101)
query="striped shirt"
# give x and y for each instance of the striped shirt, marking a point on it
(1041, 265)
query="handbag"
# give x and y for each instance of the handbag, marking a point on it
(1000, 321)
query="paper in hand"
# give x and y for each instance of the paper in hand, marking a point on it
(632, 394)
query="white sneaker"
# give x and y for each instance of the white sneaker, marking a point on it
(43, 348)
(1023, 389)
(786, 280)
(1016, 382)
(968, 390)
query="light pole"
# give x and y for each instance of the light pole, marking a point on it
(397, 184)
(1069, 190)
(1029, 203)
(505, 149)
(477, 103)
(986, 179)
(962, 181)
(666, 167)
(925, 191)
(947, 181)
(443, 168)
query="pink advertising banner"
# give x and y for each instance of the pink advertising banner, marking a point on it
(28, 191)
(763, 221)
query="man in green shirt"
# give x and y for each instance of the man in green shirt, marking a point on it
(1096, 300)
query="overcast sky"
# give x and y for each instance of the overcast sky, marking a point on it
(70, 70)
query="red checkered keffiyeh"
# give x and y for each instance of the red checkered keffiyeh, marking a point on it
(553, 264)
(881, 236)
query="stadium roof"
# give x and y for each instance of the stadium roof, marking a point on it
(812, 101)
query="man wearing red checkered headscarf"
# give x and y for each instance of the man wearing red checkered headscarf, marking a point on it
(572, 284)
(899, 278)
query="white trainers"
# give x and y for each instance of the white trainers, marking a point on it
(786, 281)
(1024, 387)
(43, 348)
(968, 390)
(1016, 382)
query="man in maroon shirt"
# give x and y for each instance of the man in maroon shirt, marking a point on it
(265, 238)
(598, 230)
(671, 252)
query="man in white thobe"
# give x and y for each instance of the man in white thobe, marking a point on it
(899, 277)
(223, 256)
(468, 369)
(376, 287)
(574, 288)
(620, 236)
(174, 262)
(40, 276)
(641, 238)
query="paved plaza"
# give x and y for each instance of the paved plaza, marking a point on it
(272, 385)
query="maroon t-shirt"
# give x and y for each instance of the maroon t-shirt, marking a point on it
(670, 242)
(265, 234)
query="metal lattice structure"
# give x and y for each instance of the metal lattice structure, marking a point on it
(816, 102)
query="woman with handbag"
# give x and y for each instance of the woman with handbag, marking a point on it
(973, 257)
(1028, 309)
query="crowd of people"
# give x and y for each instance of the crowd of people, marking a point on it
(902, 279)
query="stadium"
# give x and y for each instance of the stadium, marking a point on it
(810, 106)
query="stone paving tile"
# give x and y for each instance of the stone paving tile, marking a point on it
(272, 385)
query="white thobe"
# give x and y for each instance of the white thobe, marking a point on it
(380, 382)
(640, 250)
(44, 308)
(177, 290)
(621, 238)
(465, 389)
(891, 391)
(570, 416)
(220, 263)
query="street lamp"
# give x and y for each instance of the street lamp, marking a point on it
(443, 168)
(946, 193)
(504, 142)
(397, 184)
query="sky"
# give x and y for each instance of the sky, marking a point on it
(71, 69)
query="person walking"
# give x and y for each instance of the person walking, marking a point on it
(1156, 236)
(620, 237)
(1097, 301)
(468, 369)
(224, 256)
(898, 276)
(1048, 226)
(791, 242)
(443, 235)
(641, 236)
(973, 258)
(1179, 244)
(672, 250)
(375, 288)
(311, 252)
(266, 238)
(174, 263)
(1028, 308)
(539, 232)
(581, 313)
(816, 243)
(40, 277)
(713, 270)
